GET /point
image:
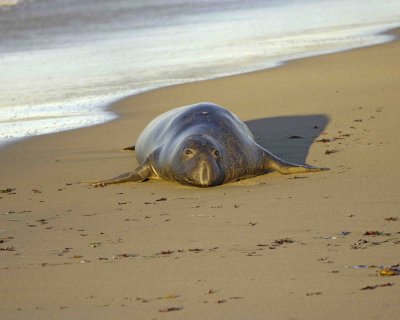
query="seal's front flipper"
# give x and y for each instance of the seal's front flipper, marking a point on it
(273, 163)
(140, 174)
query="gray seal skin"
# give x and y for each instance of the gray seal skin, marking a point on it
(202, 145)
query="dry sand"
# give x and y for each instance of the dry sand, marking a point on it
(271, 247)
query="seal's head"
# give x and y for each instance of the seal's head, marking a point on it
(198, 162)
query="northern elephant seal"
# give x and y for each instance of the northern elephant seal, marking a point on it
(202, 145)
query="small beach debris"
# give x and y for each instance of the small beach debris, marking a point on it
(295, 137)
(391, 271)
(252, 224)
(124, 255)
(318, 293)
(7, 249)
(344, 233)
(65, 250)
(360, 244)
(389, 284)
(170, 309)
(221, 301)
(388, 270)
(196, 250)
(95, 244)
(170, 296)
(162, 199)
(374, 233)
(42, 221)
(330, 151)
(391, 219)
(283, 241)
(8, 190)
(280, 242)
(36, 191)
(25, 211)
(298, 177)
(165, 252)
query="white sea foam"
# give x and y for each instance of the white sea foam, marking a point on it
(60, 75)
(26, 121)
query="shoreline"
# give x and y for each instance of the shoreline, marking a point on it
(286, 246)
(105, 113)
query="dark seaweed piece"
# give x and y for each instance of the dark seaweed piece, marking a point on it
(8, 190)
(166, 252)
(125, 255)
(389, 284)
(283, 241)
(330, 151)
(375, 233)
(196, 250)
(212, 291)
(313, 293)
(170, 309)
(7, 249)
(391, 219)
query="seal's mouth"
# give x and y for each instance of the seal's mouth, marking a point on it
(193, 183)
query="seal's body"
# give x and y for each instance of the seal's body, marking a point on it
(202, 145)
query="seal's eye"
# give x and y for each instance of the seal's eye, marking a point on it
(216, 153)
(188, 152)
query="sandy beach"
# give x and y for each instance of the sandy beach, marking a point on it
(270, 247)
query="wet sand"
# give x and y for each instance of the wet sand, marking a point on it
(271, 247)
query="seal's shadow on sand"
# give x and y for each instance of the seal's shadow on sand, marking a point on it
(289, 137)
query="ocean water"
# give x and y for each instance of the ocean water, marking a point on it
(63, 61)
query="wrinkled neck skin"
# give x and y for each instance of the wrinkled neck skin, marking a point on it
(200, 160)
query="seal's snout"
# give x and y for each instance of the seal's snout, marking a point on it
(203, 171)
(206, 173)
